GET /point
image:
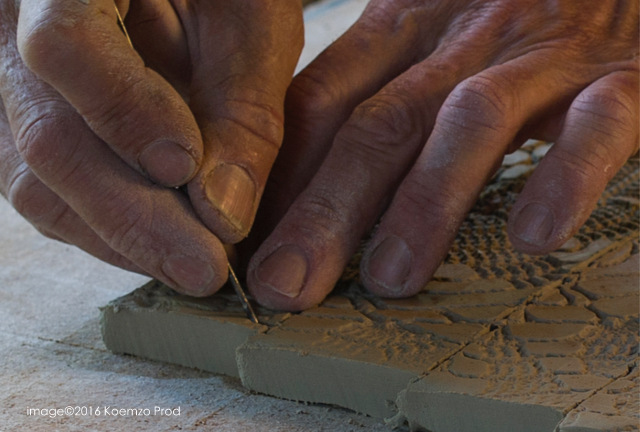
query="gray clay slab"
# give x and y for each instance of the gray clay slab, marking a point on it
(156, 323)
(497, 341)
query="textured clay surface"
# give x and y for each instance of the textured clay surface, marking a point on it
(497, 341)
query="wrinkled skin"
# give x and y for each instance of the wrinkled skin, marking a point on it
(402, 120)
(95, 136)
(407, 116)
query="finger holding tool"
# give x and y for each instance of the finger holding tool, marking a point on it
(75, 47)
(246, 305)
(152, 226)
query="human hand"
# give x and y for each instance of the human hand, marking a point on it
(94, 136)
(410, 112)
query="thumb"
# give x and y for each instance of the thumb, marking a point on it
(247, 53)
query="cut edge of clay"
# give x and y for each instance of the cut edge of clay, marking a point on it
(469, 413)
(280, 373)
(182, 337)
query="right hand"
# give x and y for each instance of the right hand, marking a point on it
(94, 136)
(400, 123)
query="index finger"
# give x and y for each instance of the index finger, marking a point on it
(78, 48)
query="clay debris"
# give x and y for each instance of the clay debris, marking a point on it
(497, 341)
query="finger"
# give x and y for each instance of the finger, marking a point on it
(600, 133)
(78, 48)
(157, 35)
(307, 251)
(237, 93)
(9, 158)
(43, 209)
(368, 158)
(55, 219)
(153, 227)
(382, 44)
(303, 258)
(473, 131)
(386, 41)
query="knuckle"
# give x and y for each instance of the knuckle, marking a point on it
(310, 96)
(584, 168)
(379, 127)
(608, 109)
(44, 40)
(398, 23)
(33, 42)
(123, 104)
(480, 104)
(35, 202)
(128, 227)
(40, 125)
(11, 164)
(396, 13)
(259, 119)
(323, 215)
(127, 233)
(443, 203)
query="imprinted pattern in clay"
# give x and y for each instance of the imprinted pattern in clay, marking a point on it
(497, 341)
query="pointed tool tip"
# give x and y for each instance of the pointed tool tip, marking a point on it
(244, 301)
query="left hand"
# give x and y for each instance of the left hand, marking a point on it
(410, 112)
(95, 135)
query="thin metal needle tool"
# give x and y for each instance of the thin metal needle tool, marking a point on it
(246, 306)
(121, 25)
(242, 296)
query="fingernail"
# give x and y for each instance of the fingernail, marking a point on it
(390, 263)
(284, 271)
(232, 191)
(192, 275)
(167, 163)
(534, 224)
